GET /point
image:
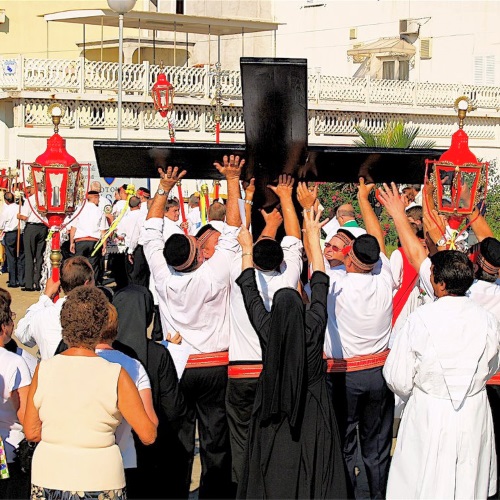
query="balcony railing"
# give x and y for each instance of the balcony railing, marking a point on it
(83, 77)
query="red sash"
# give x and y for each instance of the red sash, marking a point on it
(357, 363)
(244, 371)
(495, 380)
(208, 359)
(410, 277)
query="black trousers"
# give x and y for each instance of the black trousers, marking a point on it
(240, 396)
(363, 402)
(138, 273)
(205, 391)
(34, 245)
(85, 249)
(17, 486)
(15, 264)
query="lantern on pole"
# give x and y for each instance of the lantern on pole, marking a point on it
(56, 178)
(163, 99)
(459, 180)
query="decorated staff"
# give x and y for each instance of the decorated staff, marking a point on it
(130, 192)
(181, 205)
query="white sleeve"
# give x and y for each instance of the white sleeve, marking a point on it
(103, 223)
(222, 260)
(23, 330)
(425, 277)
(399, 368)
(292, 253)
(142, 379)
(396, 262)
(20, 376)
(153, 249)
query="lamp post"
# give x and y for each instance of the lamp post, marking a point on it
(56, 177)
(121, 7)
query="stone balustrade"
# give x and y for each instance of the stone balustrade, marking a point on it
(336, 104)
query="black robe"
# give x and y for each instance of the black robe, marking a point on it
(293, 445)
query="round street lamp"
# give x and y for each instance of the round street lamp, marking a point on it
(121, 7)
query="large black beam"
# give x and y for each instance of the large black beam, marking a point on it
(323, 163)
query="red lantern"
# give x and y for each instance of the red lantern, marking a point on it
(459, 180)
(163, 94)
(56, 177)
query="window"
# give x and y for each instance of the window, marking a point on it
(179, 7)
(484, 70)
(388, 70)
(404, 70)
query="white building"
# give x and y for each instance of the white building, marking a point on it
(369, 62)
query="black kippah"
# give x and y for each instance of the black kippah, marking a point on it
(366, 249)
(490, 250)
(176, 250)
(267, 254)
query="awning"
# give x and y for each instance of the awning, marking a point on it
(161, 21)
(384, 47)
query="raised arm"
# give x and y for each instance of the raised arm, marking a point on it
(231, 169)
(312, 230)
(249, 192)
(273, 221)
(132, 409)
(284, 191)
(371, 221)
(168, 180)
(390, 199)
(306, 198)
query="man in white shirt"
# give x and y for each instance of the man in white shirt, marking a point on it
(34, 236)
(217, 215)
(41, 324)
(359, 325)
(193, 300)
(277, 266)
(9, 226)
(129, 228)
(86, 230)
(144, 195)
(171, 219)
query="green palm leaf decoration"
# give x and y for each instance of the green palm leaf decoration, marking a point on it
(395, 135)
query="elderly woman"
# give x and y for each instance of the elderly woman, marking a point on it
(75, 404)
(14, 392)
(137, 372)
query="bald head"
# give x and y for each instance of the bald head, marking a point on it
(95, 186)
(345, 213)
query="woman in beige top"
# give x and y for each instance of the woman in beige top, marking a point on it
(75, 404)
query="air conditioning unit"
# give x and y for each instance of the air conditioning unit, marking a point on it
(407, 26)
(2, 16)
(425, 48)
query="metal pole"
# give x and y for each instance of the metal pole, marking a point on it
(120, 74)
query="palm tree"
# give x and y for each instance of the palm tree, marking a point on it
(395, 135)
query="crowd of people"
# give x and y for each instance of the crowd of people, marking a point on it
(288, 371)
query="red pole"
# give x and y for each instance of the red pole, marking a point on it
(217, 133)
(55, 254)
(181, 206)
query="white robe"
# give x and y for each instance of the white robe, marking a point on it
(440, 362)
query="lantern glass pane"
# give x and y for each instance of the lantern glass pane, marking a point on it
(55, 183)
(40, 187)
(466, 201)
(445, 179)
(71, 191)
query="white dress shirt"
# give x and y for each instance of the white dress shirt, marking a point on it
(33, 217)
(359, 312)
(42, 326)
(130, 227)
(8, 218)
(118, 207)
(90, 222)
(194, 220)
(244, 343)
(195, 304)
(170, 227)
